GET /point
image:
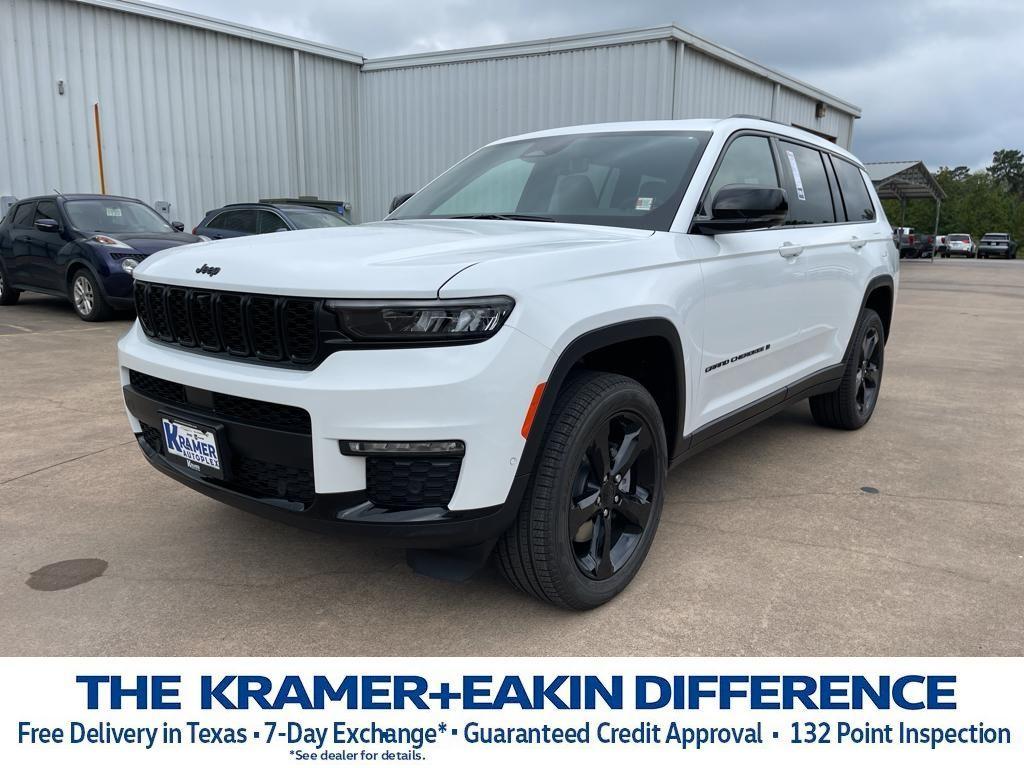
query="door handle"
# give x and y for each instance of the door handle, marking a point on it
(856, 243)
(790, 251)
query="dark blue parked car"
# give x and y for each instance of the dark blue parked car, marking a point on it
(83, 247)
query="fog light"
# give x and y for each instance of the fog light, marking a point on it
(410, 448)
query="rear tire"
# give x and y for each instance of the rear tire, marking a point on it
(86, 297)
(592, 507)
(8, 295)
(851, 405)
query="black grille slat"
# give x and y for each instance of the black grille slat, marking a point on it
(158, 313)
(230, 321)
(300, 332)
(140, 292)
(261, 312)
(263, 329)
(177, 313)
(203, 321)
(405, 483)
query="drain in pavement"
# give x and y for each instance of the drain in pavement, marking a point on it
(869, 489)
(66, 574)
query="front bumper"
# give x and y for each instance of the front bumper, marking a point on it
(476, 393)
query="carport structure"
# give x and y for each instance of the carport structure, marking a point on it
(906, 180)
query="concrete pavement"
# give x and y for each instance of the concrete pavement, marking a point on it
(904, 538)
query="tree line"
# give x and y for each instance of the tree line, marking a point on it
(976, 202)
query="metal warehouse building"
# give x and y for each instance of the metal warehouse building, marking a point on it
(168, 105)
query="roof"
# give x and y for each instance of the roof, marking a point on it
(723, 124)
(904, 180)
(199, 21)
(77, 196)
(621, 37)
(672, 32)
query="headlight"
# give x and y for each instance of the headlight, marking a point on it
(129, 265)
(422, 322)
(108, 241)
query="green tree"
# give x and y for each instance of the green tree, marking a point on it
(1008, 170)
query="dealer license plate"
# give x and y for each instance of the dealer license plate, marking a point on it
(194, 446)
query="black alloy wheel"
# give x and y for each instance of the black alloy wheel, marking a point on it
(869, 371)
(612, 495)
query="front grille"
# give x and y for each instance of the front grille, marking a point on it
(252, 477)
(241, 325)
(406, 483)
(256, 412)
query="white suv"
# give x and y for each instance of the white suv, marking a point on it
(514, 358)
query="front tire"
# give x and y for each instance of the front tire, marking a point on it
(851, 405)
(86, 297)
(592, 508)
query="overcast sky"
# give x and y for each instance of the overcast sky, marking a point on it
(938, 80)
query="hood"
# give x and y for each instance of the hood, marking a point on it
(149, 243)
(389, 259)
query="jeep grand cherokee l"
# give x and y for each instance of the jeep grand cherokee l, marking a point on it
(514, 358)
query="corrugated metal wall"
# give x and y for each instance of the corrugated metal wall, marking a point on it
(190, 116)
(417, 121)
(201, 118)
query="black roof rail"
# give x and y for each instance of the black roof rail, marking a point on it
(757, 117)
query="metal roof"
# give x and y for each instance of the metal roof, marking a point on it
(190, 19)
(504, 50)
(620, 37)
(904, 179)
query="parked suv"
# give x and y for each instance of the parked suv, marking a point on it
(83, 247)
(997, 245)
(961, 245)
(241, 219)
(514, 358)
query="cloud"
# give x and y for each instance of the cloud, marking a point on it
(938, 80)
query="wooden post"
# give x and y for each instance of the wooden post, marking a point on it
(99, 147)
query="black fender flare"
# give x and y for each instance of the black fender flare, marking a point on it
(591, 341)
(880, 281)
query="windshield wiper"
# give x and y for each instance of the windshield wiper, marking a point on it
(503, 216)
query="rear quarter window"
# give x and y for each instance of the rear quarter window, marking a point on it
(856, 198)
(23, 215)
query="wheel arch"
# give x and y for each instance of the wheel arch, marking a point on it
(653, 340)
(880, 296)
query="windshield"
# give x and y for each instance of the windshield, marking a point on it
(634, 179)
(114, 217)
(960, 238)
(312, 218)
(995, 236)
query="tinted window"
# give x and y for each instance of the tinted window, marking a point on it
(748, 160)
(855, 192)
(270, 222)
(613, 179)
(243, 220)
(23, 215)
(810, 198)
(47, 209)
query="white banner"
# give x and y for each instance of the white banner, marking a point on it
(497, 712)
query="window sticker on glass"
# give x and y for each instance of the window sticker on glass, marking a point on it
(644, 203)
(796, 175)
(113, 212)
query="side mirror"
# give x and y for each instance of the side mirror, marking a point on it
(177, 226)
(47, 225)
(739, 207)
(398, 200)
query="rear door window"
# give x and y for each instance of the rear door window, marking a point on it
(855, 192)
(243, 221)
(810, 197)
